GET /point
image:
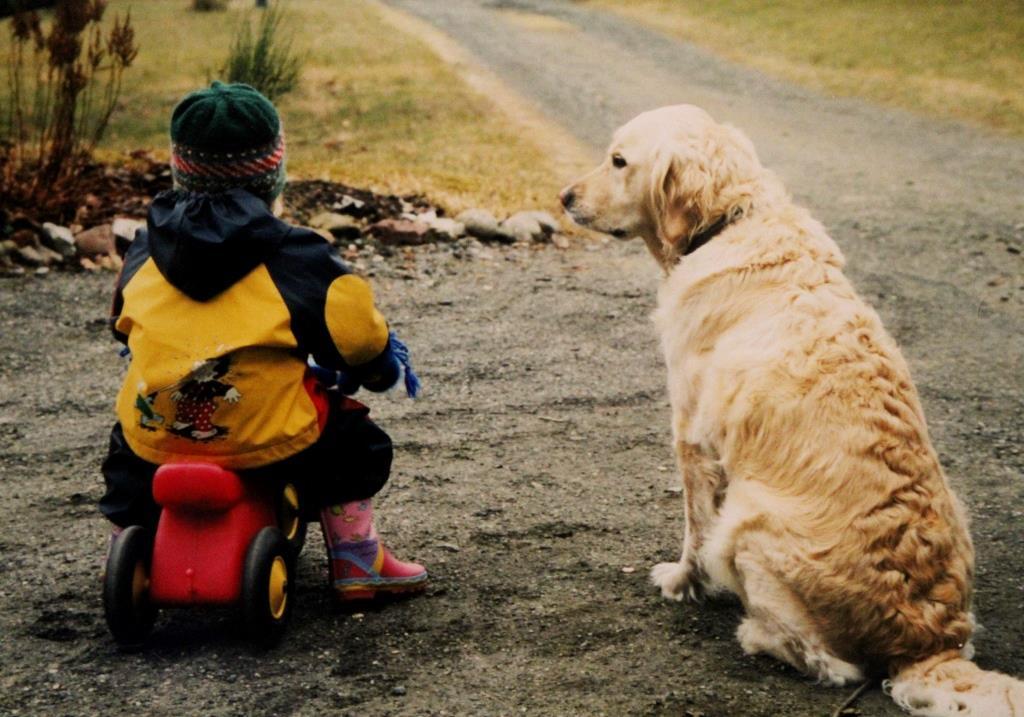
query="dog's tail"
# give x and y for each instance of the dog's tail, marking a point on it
(947, 685)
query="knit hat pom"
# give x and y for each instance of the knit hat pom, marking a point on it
(227, 136)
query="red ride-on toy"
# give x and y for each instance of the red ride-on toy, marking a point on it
(221, 540)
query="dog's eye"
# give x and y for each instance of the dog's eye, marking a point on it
(618, 161)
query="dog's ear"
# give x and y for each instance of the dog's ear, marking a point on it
(681, 193)
(695, 185)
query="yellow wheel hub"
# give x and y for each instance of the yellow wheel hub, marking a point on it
(290, 520)
(278, 587)
(140, 583)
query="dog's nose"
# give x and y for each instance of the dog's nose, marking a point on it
(568, 197)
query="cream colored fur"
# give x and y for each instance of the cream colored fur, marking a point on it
(812, 490)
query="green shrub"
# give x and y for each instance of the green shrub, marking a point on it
(264, 59)
(63, 83)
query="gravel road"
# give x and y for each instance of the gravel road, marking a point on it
(534, 477)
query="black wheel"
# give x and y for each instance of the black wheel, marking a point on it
(268, 586)
(130, 615)
(289, 517)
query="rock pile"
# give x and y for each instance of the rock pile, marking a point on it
(416, 225)
(347, 213)
(97, 226)
(29, 246)
(363, 224)
(306, 199)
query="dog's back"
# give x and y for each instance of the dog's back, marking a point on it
(812, 490)
(775, 360)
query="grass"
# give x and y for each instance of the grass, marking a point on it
(952, 58)
(375, 107)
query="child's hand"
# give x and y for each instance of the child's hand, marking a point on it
(176, 396)
(232, 396)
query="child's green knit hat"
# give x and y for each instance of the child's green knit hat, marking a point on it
(227, 136)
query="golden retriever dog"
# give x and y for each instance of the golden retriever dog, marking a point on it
(812, 490)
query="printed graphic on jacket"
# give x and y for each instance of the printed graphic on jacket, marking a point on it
(149, 419)
(195, 402)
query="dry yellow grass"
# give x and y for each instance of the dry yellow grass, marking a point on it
(376, 106)
(954, 59)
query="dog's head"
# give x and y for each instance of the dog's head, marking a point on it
(669, 174)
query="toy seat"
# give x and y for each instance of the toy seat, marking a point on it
(200, 486)
(209, 518)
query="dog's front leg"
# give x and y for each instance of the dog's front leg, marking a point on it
(703, 481)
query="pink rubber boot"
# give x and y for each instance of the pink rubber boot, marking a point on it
(362, 568)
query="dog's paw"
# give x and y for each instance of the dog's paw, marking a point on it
(676, 580)
(753, 637)
(832, 671)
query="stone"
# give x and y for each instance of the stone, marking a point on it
(561, 241)
(124, 231)
(426, 217)
(29, 256)
(59, 239)
(110, 262)
(11, 270)
(339, 226)
(36, 255)
(349, 205)
(50, 256)
(524, 227)
(547, 222)
(505, 235)
(96, 241)
(401, 232)
(449, 228)
(481, 224)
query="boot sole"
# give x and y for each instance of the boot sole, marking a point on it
(366, 592)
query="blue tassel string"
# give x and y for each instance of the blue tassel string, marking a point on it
(401, 352)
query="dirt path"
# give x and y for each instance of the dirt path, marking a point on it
(532, 477)
(896, 189)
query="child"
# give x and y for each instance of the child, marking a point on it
(221, 304)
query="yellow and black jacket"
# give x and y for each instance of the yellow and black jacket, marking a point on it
(221, 304)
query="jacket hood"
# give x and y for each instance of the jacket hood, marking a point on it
(204, 243)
